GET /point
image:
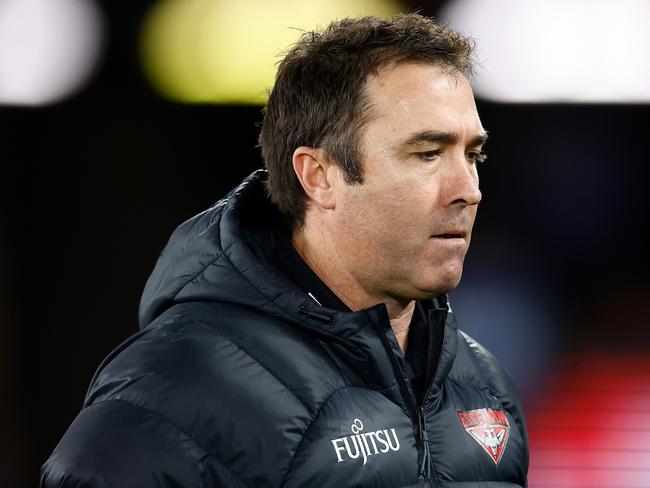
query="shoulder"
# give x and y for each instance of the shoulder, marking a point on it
(223, 346)
(487, 364)
(116, 443)
(225, 379)
(475, 362)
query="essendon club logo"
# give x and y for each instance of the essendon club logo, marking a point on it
(489, 428)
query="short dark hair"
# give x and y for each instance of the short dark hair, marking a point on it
(319, 101)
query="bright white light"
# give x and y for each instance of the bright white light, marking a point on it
(558, 50)
(47, 48)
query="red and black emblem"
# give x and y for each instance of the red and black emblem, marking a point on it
(489, 428)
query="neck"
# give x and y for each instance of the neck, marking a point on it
(319, 254)
(400, 324)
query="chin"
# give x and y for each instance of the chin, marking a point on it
(444, 279)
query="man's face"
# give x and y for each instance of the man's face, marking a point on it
(405, 231)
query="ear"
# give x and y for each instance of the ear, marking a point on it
(314, 173)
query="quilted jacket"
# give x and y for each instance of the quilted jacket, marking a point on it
(238, 378)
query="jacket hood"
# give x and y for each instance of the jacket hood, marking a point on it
(223, 254)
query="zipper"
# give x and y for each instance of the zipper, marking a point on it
(423, 438)
(417, 407)
(417, 414)
(423, 435)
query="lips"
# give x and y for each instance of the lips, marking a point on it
(452, 234)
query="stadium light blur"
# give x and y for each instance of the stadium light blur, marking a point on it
(48, 49)
(225, 51)
(558, 50)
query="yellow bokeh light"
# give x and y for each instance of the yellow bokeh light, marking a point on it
(225, 51)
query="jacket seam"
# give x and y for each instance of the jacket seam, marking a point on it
(478, 367)
(257, 288)
(323, 345)
(178, 428)
(488, 383)
(238, 346)
(220, 253)
(477, 386)
(304, 434)
(198, 273)
(209, 263)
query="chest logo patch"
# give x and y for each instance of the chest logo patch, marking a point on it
(488, 427)
(364, 444)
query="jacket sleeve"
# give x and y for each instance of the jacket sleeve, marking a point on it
(117, 444)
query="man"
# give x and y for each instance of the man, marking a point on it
(304, 338)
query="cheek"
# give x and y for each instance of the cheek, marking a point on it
(369, 216)
(394, 213)
(399, 220)
(410, 206)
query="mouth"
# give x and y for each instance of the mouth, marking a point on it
(453, 234)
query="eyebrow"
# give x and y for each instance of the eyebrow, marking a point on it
(443, 137)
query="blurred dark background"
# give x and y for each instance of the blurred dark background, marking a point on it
(95, 184)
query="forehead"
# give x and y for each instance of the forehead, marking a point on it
(412, 97)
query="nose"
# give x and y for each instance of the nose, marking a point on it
(462, 183)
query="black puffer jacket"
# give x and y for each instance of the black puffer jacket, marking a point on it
(238, 378)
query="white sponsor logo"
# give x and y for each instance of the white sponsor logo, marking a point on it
(365, 444)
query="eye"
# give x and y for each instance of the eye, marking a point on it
(428, 155)
(476, 156)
